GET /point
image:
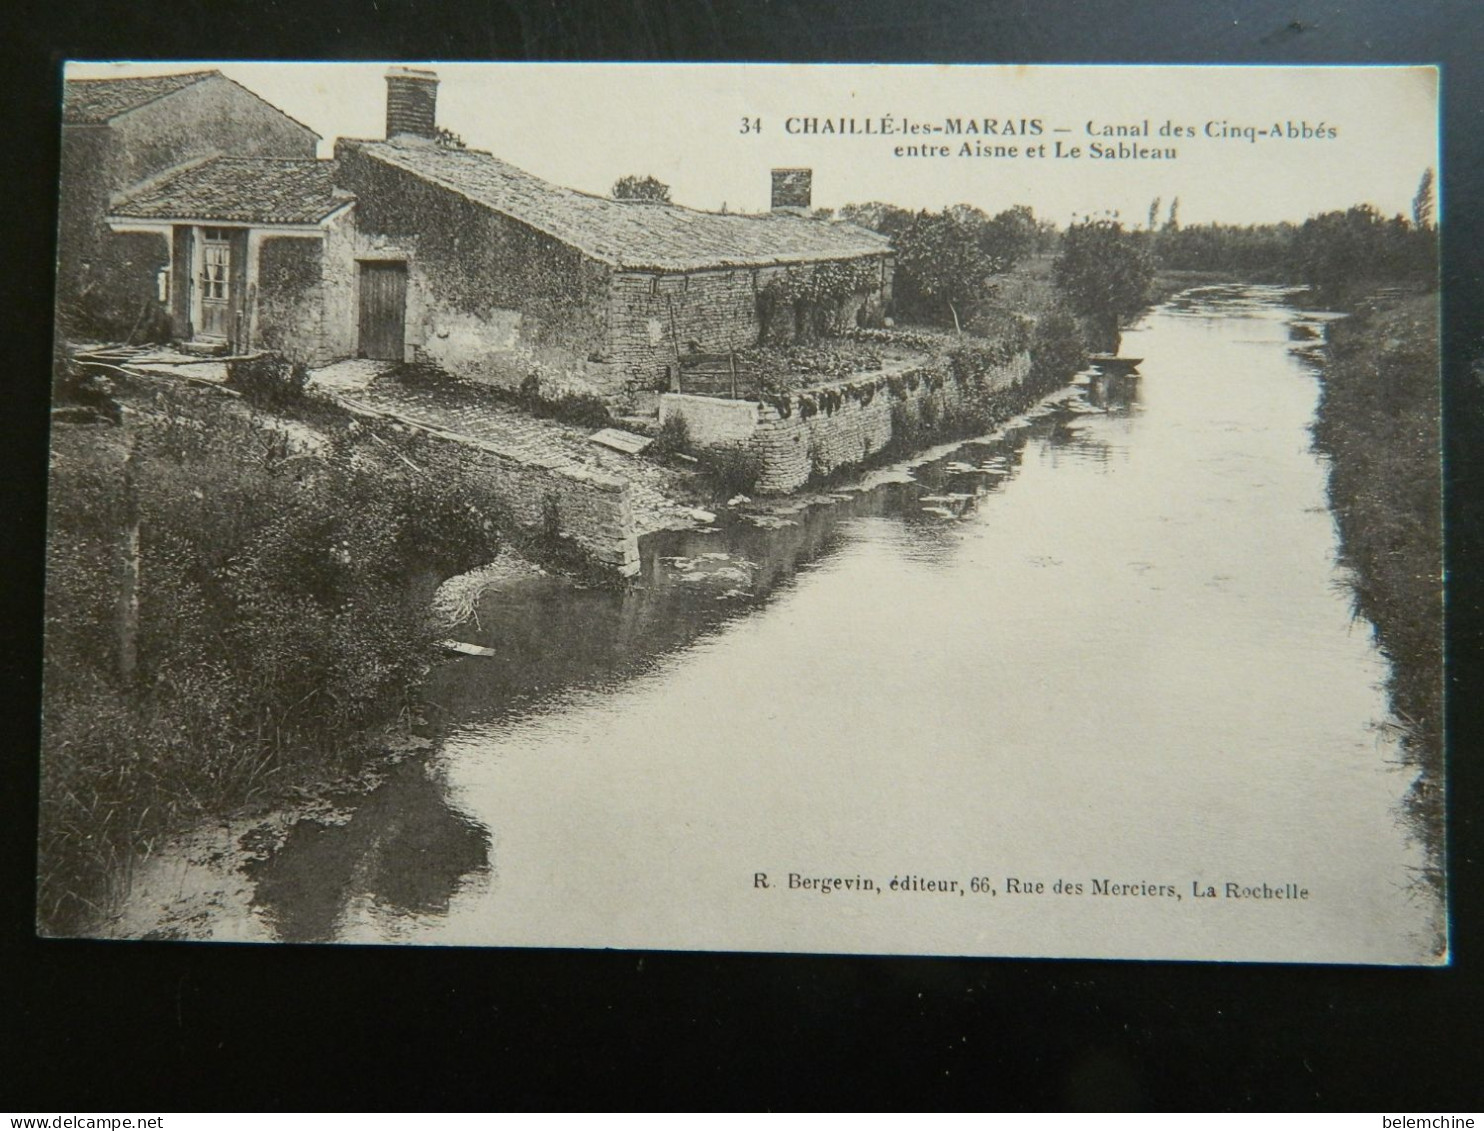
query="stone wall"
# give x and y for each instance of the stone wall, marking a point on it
(711, 420)
(653, 316)
(289, 315)
(544, 495)
(547, 496)
(87, 179)
(840, 425)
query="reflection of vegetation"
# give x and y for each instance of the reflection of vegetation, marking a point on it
(1057, 350)
(404, 849)
(1379, 422)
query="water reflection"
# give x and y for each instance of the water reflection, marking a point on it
(552, 636)
(1112, 394)
(402, 853)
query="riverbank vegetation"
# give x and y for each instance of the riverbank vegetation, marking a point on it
(1342, 255)
(234, 607)
(992, 276)
(1379, 423)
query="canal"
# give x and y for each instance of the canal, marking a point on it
(1105, 653)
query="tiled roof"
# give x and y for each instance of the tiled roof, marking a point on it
(628, 233)
(262, 190)
(98, 100)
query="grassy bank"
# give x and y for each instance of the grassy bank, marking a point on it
(235, 608)
(1379, 422)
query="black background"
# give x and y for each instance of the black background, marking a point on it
(136, 1026)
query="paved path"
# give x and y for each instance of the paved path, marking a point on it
(349, 376)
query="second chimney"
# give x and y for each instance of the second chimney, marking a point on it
(792, 189)
(411, 103)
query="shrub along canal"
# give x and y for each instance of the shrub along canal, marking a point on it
(1110, 646)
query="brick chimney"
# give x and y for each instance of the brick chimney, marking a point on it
(792, 189)
(411, 103)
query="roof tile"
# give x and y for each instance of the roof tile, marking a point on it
(630, 234)
(262, 190)
(93, 101)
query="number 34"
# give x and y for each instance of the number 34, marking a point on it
(751, 126)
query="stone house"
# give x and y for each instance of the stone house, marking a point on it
(407, 248)
(118, 134)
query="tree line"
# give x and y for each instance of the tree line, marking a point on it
(1339, 253)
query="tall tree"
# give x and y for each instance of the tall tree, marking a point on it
(1010, 237)
(1422, 203)
(1104, 273)
(940, 256)
(1153, 213)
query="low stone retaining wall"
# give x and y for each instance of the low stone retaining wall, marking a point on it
(544, 494)
(711, 420)
(830, 427)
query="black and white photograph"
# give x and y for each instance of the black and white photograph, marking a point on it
(824, 509)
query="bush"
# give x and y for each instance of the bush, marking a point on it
(76, 386)
(583, 409)
(733, 469)
(673, 437)
(269, 380)
(1103, 272)
(777, 370)
(103, 316)
(1057, 350)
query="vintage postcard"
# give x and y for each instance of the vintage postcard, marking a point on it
(841, 509)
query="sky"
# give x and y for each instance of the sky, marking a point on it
(713, 131)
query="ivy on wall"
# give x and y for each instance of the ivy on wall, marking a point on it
(814, 294)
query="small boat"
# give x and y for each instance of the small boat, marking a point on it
(1109, 363)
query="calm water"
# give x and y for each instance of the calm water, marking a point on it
(1112, 644)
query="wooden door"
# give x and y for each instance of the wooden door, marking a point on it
(215, 284)
(383, 317)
